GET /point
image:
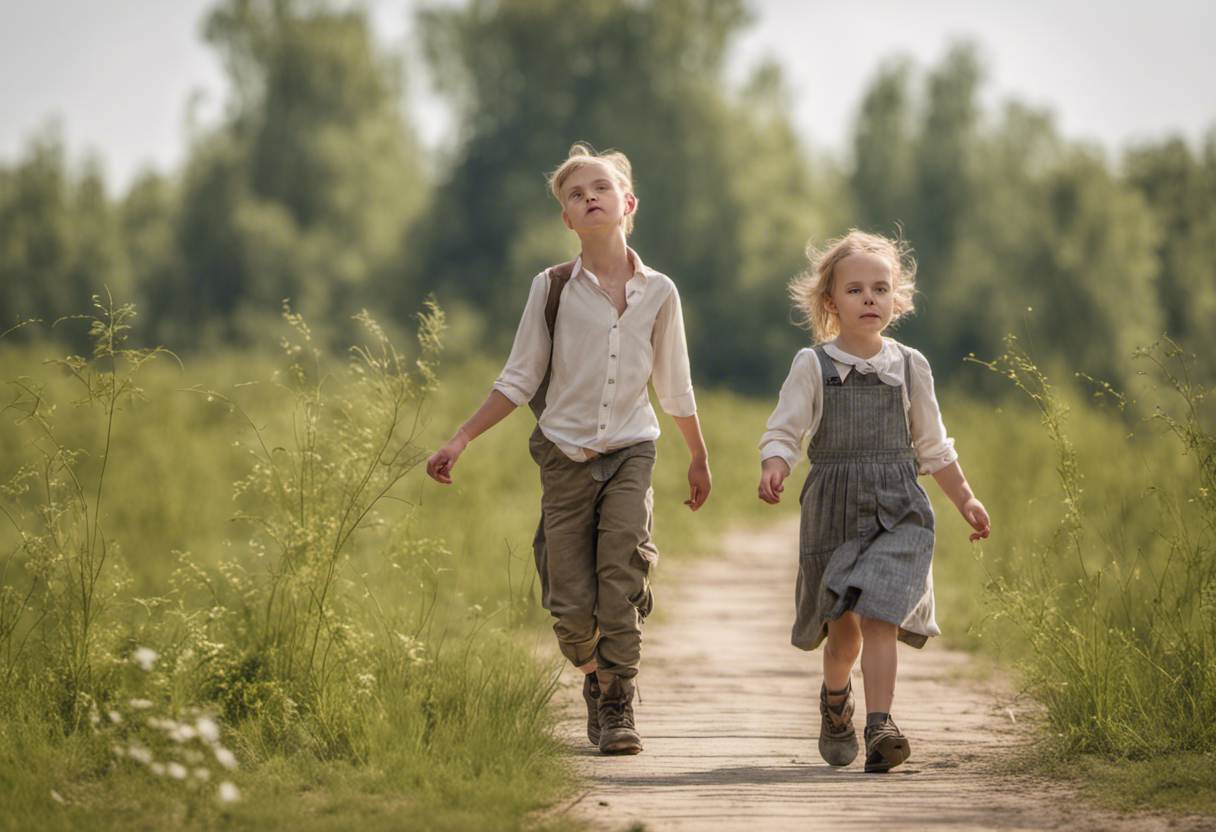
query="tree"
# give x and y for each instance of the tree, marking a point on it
(530, 77)
(1180, 187)
(306, 189)
(59, 238)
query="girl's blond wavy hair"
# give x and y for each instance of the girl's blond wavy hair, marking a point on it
(580, 154)
(810, 290)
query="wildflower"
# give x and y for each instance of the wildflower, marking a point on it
(57, 797)
(207, 729)
(158, 769)
(115, 717)
(140, 704)
(225, 757)
(203, 774)
(228, 793)
(177, 771)
(182, 733)
(145, 657)
(140, 754)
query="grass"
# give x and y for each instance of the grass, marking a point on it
(293, 654)
(1183, 783)
(1099, 587)
(373, 672)
(221, 490)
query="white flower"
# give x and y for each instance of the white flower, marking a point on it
(158, 769)
(207, 729)
(140, 704)
(177, 771)
(57, 797)
(229, 793)
(145, 657)
(115, 717)
(140, 754)
(225, 758)
(203, 774)
(182, 733)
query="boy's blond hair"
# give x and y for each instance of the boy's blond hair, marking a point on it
(580, 154)
(810, 290)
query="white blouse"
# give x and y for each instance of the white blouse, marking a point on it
(800, 405)
(597, 398)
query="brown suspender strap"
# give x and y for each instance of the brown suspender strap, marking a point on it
(558, 276)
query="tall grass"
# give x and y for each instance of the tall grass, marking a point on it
(1118, 620)
(307, 633)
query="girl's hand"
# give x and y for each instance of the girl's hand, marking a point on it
(699, 483)
(773, 472)
(973, 512)
(439, 466)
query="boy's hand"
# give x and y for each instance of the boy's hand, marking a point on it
(973, 512)
(699, 483)
(439, 466)
(773, 472)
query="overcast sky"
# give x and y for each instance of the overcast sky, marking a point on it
(118, 74)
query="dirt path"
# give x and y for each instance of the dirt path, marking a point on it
(729, 716)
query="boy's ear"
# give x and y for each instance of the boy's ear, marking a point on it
(631, 203)
(566, 220)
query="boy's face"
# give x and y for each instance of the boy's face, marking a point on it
(863, 294)
(593, 200)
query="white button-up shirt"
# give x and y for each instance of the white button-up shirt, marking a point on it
(597, 399)
(800, 406)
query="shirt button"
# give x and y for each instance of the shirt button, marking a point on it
(612, 381)
(614, 326)
(612, 356)
(603, 426)
(605, 404)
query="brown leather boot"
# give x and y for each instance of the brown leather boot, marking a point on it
(837, 736)
(591, 695)
(886, 746)
(617, 732)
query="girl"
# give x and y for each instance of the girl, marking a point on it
(866, 538)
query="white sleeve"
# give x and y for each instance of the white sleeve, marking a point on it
(799, 408)
(670, 373)
(525, 368)
(934, 449)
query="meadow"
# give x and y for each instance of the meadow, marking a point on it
(228, 593)
(233, 570)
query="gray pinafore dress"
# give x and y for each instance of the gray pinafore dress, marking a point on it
(866, 542)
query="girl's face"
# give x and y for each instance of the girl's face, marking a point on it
(593, 200)
(863, 294)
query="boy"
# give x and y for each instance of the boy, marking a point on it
(593, 333)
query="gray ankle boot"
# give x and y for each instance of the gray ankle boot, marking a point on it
(837, 736)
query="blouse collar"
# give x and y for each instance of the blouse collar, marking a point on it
(888, 362)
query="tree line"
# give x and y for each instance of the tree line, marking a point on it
(315, 187)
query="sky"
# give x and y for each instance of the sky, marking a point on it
(124, 78)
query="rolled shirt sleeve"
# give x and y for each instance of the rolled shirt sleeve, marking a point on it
(934, 449)
(671, 374)
(525, 368)
(798, 410)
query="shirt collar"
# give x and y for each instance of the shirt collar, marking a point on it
(640, 269)
(888, 362)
